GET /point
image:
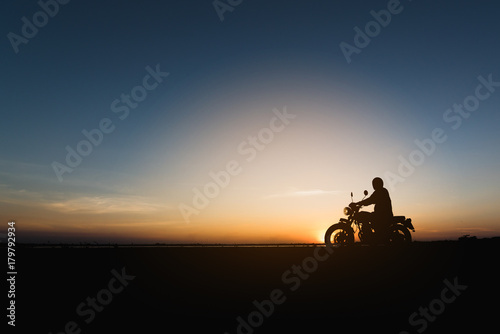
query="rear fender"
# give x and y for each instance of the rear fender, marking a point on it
(407, 223)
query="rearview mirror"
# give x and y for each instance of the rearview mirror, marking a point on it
(365, 192)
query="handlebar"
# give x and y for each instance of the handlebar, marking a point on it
(355, 205)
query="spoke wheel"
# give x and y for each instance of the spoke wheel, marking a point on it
(339, 234)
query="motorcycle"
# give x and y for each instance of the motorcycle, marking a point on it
(342, 233)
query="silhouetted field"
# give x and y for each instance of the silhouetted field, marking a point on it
(259, 289)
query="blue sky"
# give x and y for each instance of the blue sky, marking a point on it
(225, 78)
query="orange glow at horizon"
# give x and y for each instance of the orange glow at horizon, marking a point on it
(292, 191)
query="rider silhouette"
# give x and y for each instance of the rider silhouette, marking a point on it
(382, 214)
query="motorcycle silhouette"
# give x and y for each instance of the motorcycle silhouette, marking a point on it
(342, 233)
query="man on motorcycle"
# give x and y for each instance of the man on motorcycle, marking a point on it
(382, 215)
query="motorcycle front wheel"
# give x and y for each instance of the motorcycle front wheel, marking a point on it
(339, 234)
(399, 235)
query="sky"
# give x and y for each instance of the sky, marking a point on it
(246, 121)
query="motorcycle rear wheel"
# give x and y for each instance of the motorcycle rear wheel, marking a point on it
(399, 235)
(339, 234)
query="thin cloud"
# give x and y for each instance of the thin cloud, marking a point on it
(303, 193)
(83, 203)
(475, 229)
(105, 204)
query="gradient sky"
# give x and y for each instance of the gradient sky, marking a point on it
(352, 121)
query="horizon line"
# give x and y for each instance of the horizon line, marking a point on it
(158, 244)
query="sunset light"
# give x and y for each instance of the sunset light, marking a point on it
(264, 147)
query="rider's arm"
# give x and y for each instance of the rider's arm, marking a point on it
(370, 200)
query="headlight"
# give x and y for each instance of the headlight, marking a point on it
(347, 211)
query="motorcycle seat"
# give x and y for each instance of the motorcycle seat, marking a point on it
(399, 219)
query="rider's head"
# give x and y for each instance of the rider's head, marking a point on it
(377, 183)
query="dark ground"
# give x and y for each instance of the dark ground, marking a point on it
(204, 290)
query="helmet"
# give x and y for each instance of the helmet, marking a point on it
(377, 183)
